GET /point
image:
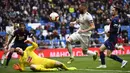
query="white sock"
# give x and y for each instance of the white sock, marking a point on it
(91, 52)
(3, 58)
(70, 50)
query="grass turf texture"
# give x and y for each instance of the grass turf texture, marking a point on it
(83, 64)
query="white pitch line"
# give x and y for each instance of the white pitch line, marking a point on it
(105, 70)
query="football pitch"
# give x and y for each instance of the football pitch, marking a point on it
(83, 64)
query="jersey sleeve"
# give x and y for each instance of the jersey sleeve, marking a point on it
(29, 34)
(114, 28)
(9, 30)
(32, 47)
(89, 18)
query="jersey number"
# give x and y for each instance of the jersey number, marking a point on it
(29, 59)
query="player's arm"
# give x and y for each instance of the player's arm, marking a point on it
(90, 22)
(101, 33)
(104, 33)
(22, 67)
(92, 26)
(75, 22)
(19, 66)
(32, 36)
(33, 46)
(34, 39)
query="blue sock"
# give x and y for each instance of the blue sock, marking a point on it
(116, 58)
(102, 57)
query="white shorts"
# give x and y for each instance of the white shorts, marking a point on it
(84, 40)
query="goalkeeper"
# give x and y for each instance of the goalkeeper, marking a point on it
(28, 58)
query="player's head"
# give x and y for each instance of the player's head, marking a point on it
(108, 21)
(19, 50)
(22, 26)
(115, 11)
(82, 8)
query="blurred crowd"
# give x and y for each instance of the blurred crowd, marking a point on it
(37, 11)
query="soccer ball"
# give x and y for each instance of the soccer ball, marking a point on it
(54, 16)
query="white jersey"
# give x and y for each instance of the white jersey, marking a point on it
(84, 21)
(106, 30)
(9, 31)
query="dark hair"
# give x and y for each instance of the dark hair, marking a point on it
(21, 23)
(84, 4)
(117, 9)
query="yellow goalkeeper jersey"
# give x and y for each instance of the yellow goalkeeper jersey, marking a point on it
(30, 57)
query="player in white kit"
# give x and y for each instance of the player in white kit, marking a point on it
(83, 33)
(9, 33)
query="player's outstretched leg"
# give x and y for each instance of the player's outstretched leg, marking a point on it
(124, 62)
(102, 57)
(69, 47)
(63, 66)
(8, 58)
(41, 68)
(70, 60)
(116, 58)
(3, 58)
(95, 56)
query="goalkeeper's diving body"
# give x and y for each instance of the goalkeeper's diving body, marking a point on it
(28, 58)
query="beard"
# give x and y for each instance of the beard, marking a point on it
(81, 12)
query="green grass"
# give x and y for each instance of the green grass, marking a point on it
(84, 65)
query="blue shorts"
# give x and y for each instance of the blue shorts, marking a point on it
(109, 45)
(21, 45)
